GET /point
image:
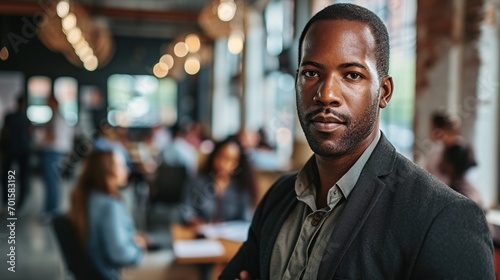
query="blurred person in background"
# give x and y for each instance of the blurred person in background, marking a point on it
(107, 140)
(180, 152)
(15, 148)
(160, 138)
(56, 145)
(260, 153)
(99, 217)
(444, 132)
(457, 159)
(225, 190)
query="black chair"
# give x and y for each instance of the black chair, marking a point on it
(167, 186)
(166, 190)
(75, 257)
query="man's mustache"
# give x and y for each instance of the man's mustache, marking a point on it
(328, 111)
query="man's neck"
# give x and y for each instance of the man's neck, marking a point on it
(331, 169)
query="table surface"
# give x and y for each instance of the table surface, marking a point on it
(182, 232)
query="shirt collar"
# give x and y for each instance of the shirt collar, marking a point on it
(307, 178)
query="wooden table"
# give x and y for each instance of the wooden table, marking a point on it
(182, 232)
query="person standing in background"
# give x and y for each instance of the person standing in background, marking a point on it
(56, 144)
(15, 145)
(180, 152)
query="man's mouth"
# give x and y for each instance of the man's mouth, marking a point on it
(326, 122)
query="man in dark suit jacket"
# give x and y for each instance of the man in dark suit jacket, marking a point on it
(357, 209)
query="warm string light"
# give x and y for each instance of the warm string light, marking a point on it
(192, 65)
(235, 42)
(226, 10)
(188, 49)
(62, 8)
(4, 54)
(75, 36)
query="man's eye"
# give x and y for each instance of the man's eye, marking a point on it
(353, 76)
(310, 73)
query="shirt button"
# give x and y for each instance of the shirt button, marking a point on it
(316, 218)
(318, 215)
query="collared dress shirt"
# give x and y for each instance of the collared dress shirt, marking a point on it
(305, 233)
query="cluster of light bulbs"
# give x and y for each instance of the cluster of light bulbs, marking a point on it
(226, 10)
(189, 47)
(75, 36)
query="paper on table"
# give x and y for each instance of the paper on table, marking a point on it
(234, 231)
(197, 248)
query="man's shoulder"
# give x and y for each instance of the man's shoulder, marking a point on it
(419, 186)
(285, 184)
(281, 191)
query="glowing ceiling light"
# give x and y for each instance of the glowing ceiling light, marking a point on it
(84, 53)
(226, 10)
(192, 65)
(62, 8)
(91, 63)
(181, 49)
(4, 54)
(74, 35)
(168, 60)
(163, 66)
(193, 42)
(159, 71)
(81, 45)
(235, 42)
(69, 21)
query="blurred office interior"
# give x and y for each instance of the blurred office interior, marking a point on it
(217, 68)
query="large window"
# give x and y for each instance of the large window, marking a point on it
(65, 92)
(141, 101)
(39, 88)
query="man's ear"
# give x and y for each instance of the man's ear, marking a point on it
(386, 88)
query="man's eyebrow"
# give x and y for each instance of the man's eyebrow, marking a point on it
(341, 66)
(352, 64)
(312, 63)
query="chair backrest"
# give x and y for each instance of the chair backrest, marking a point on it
(75, 257)
(167, 187)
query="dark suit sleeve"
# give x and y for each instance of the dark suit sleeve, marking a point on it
(457, 245)
(247, 257)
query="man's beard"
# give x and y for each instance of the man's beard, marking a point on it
(355, 131)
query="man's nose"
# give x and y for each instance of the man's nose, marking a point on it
(329, 92)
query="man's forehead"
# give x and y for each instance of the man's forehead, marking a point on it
(348, 32)
(325, 26)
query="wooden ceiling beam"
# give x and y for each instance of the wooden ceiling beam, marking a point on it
(170, 15)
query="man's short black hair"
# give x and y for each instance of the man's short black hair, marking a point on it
(356, 13)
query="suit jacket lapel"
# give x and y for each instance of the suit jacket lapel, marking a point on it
(279, 216)
(358, 207)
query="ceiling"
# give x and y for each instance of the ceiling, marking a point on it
(137, 18)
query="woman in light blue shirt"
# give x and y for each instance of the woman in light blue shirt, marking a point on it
(100, 218)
